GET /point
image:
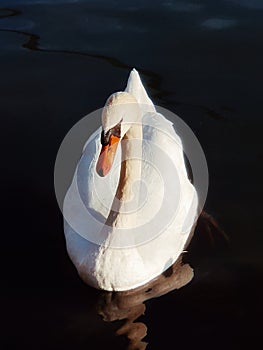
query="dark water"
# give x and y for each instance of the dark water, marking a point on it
(60, 60)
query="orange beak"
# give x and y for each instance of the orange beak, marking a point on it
(106, 156)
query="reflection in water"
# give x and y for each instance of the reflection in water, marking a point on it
(251, 4)
(182, 6)
(219, 23)
(129, 306)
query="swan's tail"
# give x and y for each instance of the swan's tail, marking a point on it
(136, 88)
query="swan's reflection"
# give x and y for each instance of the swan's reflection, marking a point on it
(129, 306)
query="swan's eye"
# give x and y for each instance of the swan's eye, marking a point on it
(105, 138)
(115, 131)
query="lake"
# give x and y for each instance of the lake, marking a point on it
(60, 60)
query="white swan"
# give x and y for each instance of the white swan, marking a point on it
(130, 209)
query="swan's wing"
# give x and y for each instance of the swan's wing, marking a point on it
(89, 197)
(168, 158)
(163, 149)
(97, 192)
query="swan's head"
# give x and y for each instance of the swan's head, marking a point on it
(119, 113)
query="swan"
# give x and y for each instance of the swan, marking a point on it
(130, 210)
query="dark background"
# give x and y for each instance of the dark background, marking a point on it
(59, 61)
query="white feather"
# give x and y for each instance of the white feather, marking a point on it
(102, 265)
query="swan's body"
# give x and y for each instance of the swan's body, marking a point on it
(101, 258)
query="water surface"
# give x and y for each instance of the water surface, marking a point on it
(61, 60)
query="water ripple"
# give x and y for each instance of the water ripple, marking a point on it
(153, 80)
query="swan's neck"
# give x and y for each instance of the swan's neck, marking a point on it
(127, 195)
